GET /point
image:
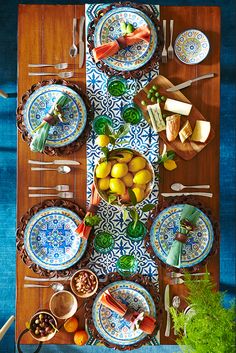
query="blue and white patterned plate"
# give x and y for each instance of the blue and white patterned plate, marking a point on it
(108, 29)
(50, 239)
(166, 225)
(113, 327)
(39, 104)
(192, 46)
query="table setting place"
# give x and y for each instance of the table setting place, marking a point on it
(118, 202)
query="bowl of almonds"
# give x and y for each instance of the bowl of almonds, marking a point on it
(84, 283)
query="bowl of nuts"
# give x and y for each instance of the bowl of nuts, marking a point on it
(84, 283)
(43, 326)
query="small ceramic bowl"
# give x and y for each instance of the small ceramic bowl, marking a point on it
(149, 186)
(63, 304)
(191, 46)
(73, 283)
(47, 337)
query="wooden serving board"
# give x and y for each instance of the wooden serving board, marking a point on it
(188, 149)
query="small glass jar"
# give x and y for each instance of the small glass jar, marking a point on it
(117, 86)
(100, 123)
(127, 265)
(131, 114)
(137, 232)
(103, 242)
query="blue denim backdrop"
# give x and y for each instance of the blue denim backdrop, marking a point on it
(8, 82)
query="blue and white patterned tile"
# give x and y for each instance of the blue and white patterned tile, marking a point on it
(141, 138)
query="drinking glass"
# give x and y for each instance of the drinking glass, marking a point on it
(103, 242)
(117, 86)
(131, 113)
(136, 232)
(100, 123)
(127, 265)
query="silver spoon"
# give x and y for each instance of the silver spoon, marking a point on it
(65, 74)
(73, 48)
(62, 169)
(176, 304)
(179, 186)
(59, 66)
(57, 188)
(55, 286)
(63, 195)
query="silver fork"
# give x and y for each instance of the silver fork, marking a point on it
(164, 51)
(178, 275)
(170, 48)
(65, 74)
(57, 188)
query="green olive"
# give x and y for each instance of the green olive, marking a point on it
(149, 95)
(143, 103)
(157, 94)
(163, 98)
(151, 91)
(154, 87)
(153, 99)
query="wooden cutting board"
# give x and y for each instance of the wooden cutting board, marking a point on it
(188, 149)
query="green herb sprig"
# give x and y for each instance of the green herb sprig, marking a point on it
(92, 221)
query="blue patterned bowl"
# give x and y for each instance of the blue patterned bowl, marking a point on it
(191, 46)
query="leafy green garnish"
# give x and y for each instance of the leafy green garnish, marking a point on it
(92, 221)
(148, 207)
(132, 197)
(211, 328)
(166, 156)
(111, 198)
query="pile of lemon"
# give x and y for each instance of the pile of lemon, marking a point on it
(122, 172)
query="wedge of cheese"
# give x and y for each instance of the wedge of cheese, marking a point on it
(201, 131)
(155, 115)
(177, 107)
(185, 132)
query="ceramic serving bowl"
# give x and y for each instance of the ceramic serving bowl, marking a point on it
(35, 326)
(89, 284)
(63, 304)
(114, 157)
(191, 46)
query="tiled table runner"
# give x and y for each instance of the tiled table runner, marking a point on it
(141, 138)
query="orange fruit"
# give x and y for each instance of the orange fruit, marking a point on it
(80, 337)
(71, 325)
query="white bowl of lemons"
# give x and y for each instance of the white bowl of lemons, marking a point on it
(123, 169)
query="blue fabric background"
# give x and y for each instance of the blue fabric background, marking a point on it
(8, 159)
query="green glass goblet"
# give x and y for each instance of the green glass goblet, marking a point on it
(127, 265)
(136, 231)
(117, 86)
(132, 114)
(100, 123)
(103, 242)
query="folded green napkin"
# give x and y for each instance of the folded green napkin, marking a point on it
(188, 220)
(52, 118)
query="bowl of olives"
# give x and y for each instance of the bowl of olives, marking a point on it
(43, 326)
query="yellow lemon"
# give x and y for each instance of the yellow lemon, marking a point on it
(136, 164)
(103, 169)
(170, 164)
(128, 180)
(102, 140)
(141, 186)
(142, 177)
(104, 183)
(126, 157)
(139, 193)
(119, 170)
(117, 186)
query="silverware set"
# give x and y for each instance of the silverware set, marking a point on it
(167, 53)
(55, 285)
(178, 274)
(178, 187)
(64, 74)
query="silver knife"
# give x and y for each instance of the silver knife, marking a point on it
(167, 309)
(189, 82)
(81, 42)
(57, 162)
(167, 194)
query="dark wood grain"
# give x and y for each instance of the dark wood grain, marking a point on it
(44, 35)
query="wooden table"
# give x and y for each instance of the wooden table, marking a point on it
(44, 35)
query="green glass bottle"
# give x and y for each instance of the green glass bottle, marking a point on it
(127, 265)
(137, 232)
(132, 114)
(103, 242)
(117, 86)
(100, 123)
